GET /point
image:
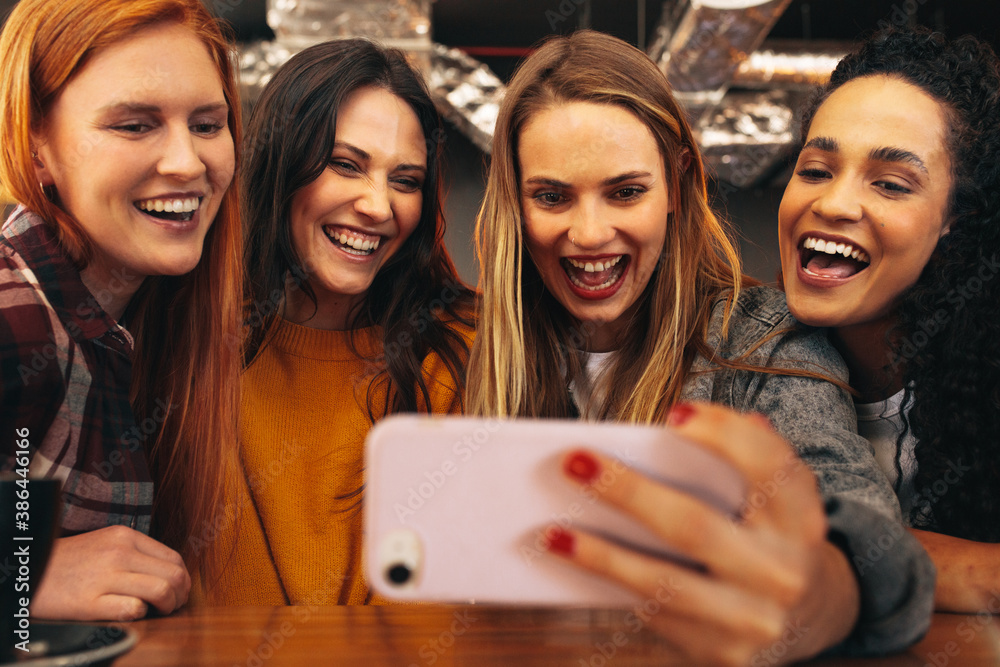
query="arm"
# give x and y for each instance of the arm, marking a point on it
(114, 573)
(895, 575)
(110, 573)
(968, 572)
(772, 587)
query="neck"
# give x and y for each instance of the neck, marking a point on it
(874, 374)
(111, 288)
(328, 314)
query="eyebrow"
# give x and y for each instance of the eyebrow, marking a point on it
(891, 154)
(614, 180)
(152, 108)
(884, 154)
(366, 156)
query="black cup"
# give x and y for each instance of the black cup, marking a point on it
(29, 522)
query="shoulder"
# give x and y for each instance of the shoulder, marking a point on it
(26, 316)
(763, 330)
(759, 306)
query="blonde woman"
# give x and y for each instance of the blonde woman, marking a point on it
(611, 292)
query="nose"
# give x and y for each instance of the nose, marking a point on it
(840, 200)
(590, 227)
(180, 158)
(374, 201)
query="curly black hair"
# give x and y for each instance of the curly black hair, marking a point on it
(947, 338)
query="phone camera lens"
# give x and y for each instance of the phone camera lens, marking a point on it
(399, 573)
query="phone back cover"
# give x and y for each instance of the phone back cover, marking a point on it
(478, 495)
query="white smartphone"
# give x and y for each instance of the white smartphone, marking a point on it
(457, 508)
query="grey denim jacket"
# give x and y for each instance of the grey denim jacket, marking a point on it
(895, 574)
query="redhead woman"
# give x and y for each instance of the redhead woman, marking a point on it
(889, 236)
(354, 311)
(119, 283)
(612, 292)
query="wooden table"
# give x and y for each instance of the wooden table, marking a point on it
(405, 636)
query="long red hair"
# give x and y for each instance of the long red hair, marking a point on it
(186, 328)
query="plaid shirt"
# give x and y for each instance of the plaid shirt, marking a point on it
(66, 368)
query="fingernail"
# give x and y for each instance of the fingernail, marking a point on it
(581, 466)
(559, 541)
(679, 414)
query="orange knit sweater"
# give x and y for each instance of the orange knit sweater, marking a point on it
(293, 534)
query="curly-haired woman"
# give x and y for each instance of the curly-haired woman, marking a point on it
(889, 236)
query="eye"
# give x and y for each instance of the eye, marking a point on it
(629, 193)
(343, 166)
(132, 128)
(407, 184)
(207, 129)
(813, 174)
(891, 187)
(548, 199)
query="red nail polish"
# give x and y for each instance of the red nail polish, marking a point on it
(559, 541)
(582, 466)
(679, 414)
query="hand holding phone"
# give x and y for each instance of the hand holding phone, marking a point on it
(460, 509)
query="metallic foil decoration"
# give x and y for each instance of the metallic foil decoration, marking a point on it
(700, 44)
(745, 135)
(789, 65)
(748, 135)
(466, 92)
(404, 24)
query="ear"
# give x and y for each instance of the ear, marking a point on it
(685, 160)
(41, 159)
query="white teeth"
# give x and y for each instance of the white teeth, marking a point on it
(170, 205)
(606, 284)
(833, 248)
(591, 267)
(354, 245)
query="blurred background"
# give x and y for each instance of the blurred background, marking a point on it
(748, 68)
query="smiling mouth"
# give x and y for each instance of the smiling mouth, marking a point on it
(175, 210)
(352, 242)
(832, 259)
(594, 276)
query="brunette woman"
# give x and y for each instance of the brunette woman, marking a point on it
(119, 279)
(611, 291)
(889, 236)
(354, 311)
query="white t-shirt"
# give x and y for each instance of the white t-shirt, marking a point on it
(881, 423)
(585, 398)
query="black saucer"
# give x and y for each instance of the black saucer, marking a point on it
(77, 644)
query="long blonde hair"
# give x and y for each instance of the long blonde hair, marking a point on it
(186, 328)
(523, 334)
